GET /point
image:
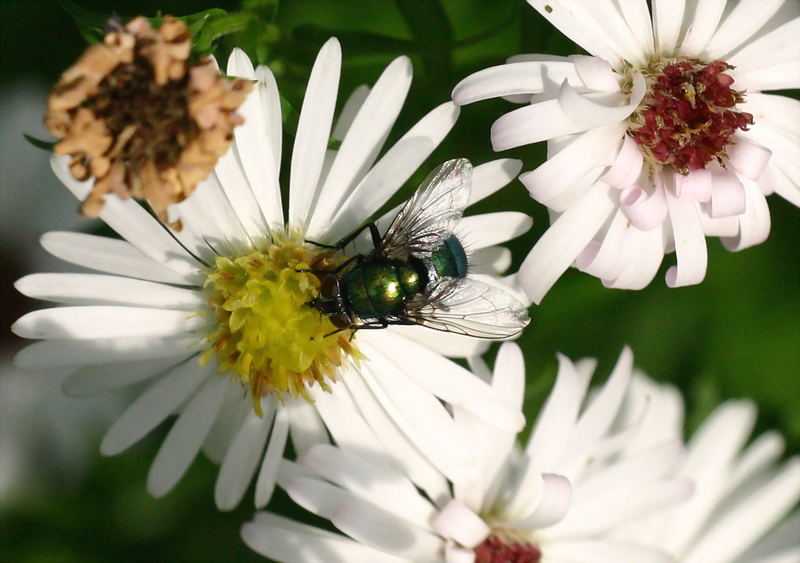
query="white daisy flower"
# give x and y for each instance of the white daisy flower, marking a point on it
(215, 318)
(558, 499)
(741, 490)
(660, 138)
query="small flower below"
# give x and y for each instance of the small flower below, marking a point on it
(141, 118)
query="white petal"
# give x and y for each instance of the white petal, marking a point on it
(583, 110)
(763, 452)
(695, 186)
(265, 484)
(642, 467)
(637, 16)
(754, 225)
(550, 431)
(645, 211)
(776, 112)
(235, 408)
(107, 255)
(589, 150)
(84, 289)
(384, 531)
(605, 260)
(446, 380)
(564, 240)
(569, 113)
(305, 426)
(362, 143)
(597, 417)
(627, 165)
(349, 112)
(489, 229)
(241, 460)
(514, 79)
(551, 502)
(712, 449)
(778, 546)
(422, 418)
(490, 176)
(445, 343)
(509, 374)
(54, 353)
(413, 463)
(779, 46)
(596, 73)
(776, 179)
(282, 539)
(744, 523)
(181, 445)
(727, 193)
(777, 76)
(594, 550)
(313, 130)
(746, 17)
(134, 224)
(690, 244)
(104, 322)
(208, 217)
(571, 19)
(667, 18)
(253, 145)
(392, 170)
(96, 379)
(271, 102)
(492, 261)
(704, 23)
(641, 265)
(457, 522)
(153, 406)
(379, 484)
(599, 515)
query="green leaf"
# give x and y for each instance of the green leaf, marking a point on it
(39, 143)
(197, 21)
(216, 28)
(91, 24)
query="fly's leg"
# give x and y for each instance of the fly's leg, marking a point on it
(373, 231)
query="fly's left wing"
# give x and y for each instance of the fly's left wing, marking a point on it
(469, 307)
(426, 220)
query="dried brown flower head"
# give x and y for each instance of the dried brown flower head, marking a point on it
(139, 116)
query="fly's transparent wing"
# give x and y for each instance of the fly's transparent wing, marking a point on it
(469, 307)
(426, 220)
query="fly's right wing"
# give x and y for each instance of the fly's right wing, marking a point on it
(469, 307)
(426, 220)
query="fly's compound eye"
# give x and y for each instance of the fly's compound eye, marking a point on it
(329, 287)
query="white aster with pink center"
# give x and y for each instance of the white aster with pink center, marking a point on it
(558, 499)
(661, 137)
(159, 306)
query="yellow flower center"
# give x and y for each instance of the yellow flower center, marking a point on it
(267, 336)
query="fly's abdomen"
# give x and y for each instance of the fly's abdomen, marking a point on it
(376, 288)
(450, 259)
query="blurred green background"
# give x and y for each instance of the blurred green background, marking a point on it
(736, 335)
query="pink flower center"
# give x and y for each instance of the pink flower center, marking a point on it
(496, 550)
(688, 114)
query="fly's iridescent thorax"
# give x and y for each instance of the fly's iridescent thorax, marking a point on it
(376, 288)
(447, 261)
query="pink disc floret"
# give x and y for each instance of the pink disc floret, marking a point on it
(689, 114)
